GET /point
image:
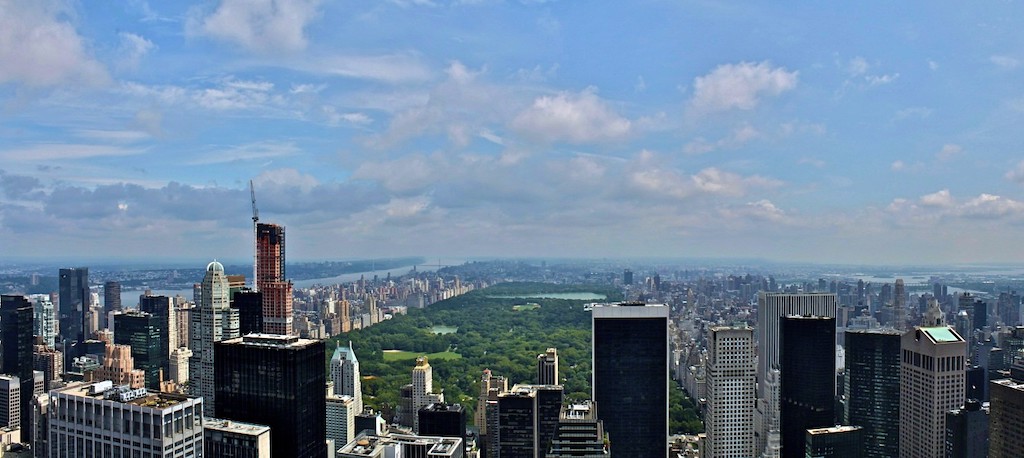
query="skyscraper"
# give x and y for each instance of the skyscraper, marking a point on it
(486, 408)
(345, 374)
(74, 302)
(111, 297)
(422, 389)
(967, 431)
(214, 321)
(443, 420)
(276, 381)
(729, 415)
(872, 389)
(899, 307)
(807, 359)
(43, 319)
(271, 281)
(580, 432)
(341, 419)
(631, 375)
(164, 318)
(771, 307)
(250, 311)
(547, 367)
(16, 341)
(1006, 431)
(143, 332)
(10, 401)
(834, 442)
(931, 384)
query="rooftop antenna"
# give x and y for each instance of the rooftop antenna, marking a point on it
(255, 241)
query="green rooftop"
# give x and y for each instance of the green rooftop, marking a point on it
(942, 334)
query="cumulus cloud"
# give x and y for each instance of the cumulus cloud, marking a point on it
(132, 49)
(938, 199)
(38, 47)
(574, 118)
(739, 86)
(262, 26)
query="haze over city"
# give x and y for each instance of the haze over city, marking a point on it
(829, 133)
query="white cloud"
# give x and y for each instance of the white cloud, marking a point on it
(938, 199)
(1006, 62)
(738, 137)
(857, 66)
(118, 136)
(949, 151)
(133, 48)
(574, 118)
(1016, 174)
(262, 26)
(991, 206)
(763, 210)
(248, 152)
(897, 166)
(54, 151)
(812, 161)
(389, 68)
(739, 86)
(912, 112)
(38, 47)
(285, 178)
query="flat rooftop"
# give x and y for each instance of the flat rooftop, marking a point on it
(155, 400)
(942, 334)
(238, 427)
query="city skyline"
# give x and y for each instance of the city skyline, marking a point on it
(825, 133)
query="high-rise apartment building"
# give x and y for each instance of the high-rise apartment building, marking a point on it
(10, 401)
(278, 381)
(119, 367)
(547, 367)
(807, 359)
(486, 409)
(111, 297)
(213, 321)
(771, 308)
(871, 389)
(932, 363)
(341, 419)
(43, 319)
(1006, 430)
(528, 420)
(271, 280)
(422, 389)
(102, 419)
(73, 303)
(345, 374)
(16, 343)
(729, 414)
(631, 375)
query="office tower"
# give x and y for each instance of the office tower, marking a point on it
(40, 432)
(486, 409)
(144, 333)
(580, 432)
(235, 439)
(631, 375)
(967, 431)
(405, 414)
(547, 367)
(443, 420)
(10, 402)
(111, 297)
(270, 279)
(213, 322)
(729, 414)
(44, 325)
(834, 442)
(517, 424)
(771, 307)
(627, 277)
(183, 319)
(16, 343)
(422, 389)
(73, 289)
(345, 374)
(344, 311)
(371, 423)
(976, 384)
(49, 361)
(1006, 430)
(899, 305)
(277, 381)
(102, 419)
(807, 354)
(162, 309)
(118, 366)
(250, 311)
(872, 389)
(931, 384)
(341, 419)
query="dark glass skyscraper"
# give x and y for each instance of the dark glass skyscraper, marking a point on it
(161, 307)
(807, 356)
(111, 297)
(16, 341)
(630, 376)
(73, 289)
(143, 332)
(872, 389)
(278, 381)
(250, 311)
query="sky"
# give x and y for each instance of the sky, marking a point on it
(864, 133)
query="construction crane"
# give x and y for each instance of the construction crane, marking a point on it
(256, 235)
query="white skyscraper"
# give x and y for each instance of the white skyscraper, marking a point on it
(345, 374)
(341, 419)
(43, 319)
(10, 401)
(932, 382)
(213, 322)
(729, 421)
(422, 389)
(771, 307)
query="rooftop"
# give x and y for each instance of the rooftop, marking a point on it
(106, 390)
(832, 430)
(235, 426)
(942, 334)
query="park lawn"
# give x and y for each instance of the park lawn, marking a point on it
(400, 355)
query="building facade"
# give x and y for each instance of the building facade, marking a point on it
(729, 414)
(871, 389)
(630, 351)
(16, 342)
(345, 375)
(932, 364)
(73, 303)
(1006, 430)
(235, 439)
(213, 322)
(807, 400)
(547, 367)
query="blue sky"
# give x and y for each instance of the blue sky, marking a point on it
(832, 133)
